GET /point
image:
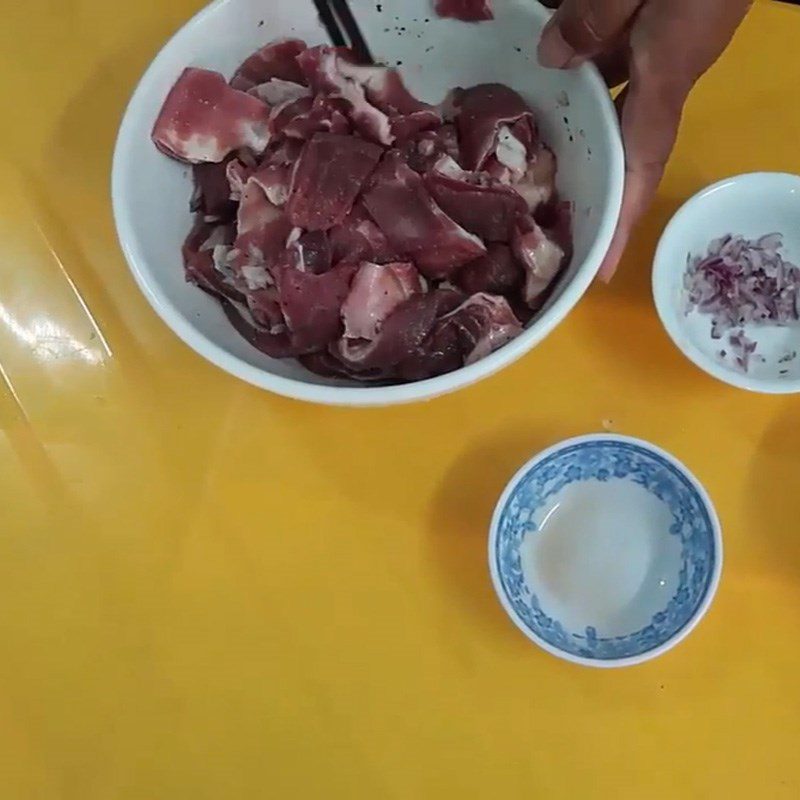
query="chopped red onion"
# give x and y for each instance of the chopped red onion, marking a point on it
(742, 282)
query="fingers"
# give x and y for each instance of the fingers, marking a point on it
(581, 29)
(651, 113)
(672, 43)
(613, 65)
(640, 188)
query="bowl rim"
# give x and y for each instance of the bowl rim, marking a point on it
(679, 635)
(662, 267)
(360, 396)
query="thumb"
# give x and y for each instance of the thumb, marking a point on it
(580, 29)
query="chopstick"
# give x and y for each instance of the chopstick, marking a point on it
(342, 28)
(329, 22)
(357, 42)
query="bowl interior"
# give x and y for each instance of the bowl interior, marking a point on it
(604, 549)
(750, 205)
(151, 193)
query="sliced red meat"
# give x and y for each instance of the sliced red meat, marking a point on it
(555, 218)
(381, 106)
(524, 131)
(376, 291)
(483, 324)
(541, 258)
(287, 112)
(332, 235)
(465, 10)
(384, 88)
(449, 107)
(277, 92)
(426, 148)
(212, 197)
(414, 224)
(498, 272)
(321, 66)
(538, 184)
(329, 177)
(266, 310)
(260, 245)
(274, 175)
(440, 352)
(311, 252)
(276, 182)
(480, 204)
(325, 364)
(256, 212)
(198, 259)
(410, 125)
(323, 115)
(203, 119)
(515, 148)
(511, 150)
(278, 59)
(237, 173)
(358, 239)
(402, 332)
(312, 304)
(287, 151)
(275, 345)
(482, 111)
(301, 317)
(494, 169)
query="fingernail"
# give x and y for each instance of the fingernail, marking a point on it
(554, 52)
(605, 276)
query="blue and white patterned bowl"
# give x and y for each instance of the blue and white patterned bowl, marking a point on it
(605, 550)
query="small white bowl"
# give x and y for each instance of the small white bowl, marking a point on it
(605, 551)
(751, 205)
(151, 193)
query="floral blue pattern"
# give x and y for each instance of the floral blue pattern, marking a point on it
(604, 460)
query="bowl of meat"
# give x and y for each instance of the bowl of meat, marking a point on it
(365, 233)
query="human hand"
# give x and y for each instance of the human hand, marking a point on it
(661, 47)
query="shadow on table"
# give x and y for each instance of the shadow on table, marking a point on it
(632, 283)
(774, 499)
(461, 512)
(624, 317)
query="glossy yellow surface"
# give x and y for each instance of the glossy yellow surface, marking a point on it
(210, 592)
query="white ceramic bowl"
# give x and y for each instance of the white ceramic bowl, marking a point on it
(151, 194)
(751, 205)
(605, 551)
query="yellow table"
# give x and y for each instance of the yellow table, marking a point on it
(200, 599)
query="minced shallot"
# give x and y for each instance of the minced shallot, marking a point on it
(743, 282)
